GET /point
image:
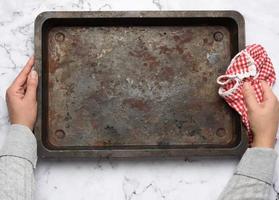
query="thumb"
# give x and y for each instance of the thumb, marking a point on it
(32, 83)
(267, 91)
(249, 96)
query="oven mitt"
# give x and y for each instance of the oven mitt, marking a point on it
(251, 64)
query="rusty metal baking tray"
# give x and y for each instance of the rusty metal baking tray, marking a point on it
(136, 84)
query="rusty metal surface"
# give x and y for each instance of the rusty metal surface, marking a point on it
(111, 88)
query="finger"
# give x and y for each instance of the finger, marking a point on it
(22, 77)
(249, 96)
(267, 91)
(32, 83)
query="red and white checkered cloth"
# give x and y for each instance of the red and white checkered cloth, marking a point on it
(251, 64)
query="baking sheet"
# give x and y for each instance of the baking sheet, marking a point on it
(129, 84)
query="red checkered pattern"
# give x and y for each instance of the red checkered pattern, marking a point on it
(252, 65)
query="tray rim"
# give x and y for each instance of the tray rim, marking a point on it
(44, 152)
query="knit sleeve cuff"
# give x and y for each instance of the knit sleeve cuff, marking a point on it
(20, 142)
(258, 163)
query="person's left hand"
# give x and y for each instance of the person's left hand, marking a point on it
(21, 97)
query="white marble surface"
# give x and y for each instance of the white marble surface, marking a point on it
(201, 179)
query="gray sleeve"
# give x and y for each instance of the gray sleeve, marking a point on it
(18, 159)
(253, 176)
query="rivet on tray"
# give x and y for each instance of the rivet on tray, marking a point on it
(59, 37)
(221, 132)
(218, 36)
(60, 134)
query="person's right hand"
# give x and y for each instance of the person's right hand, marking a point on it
(264, 116)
